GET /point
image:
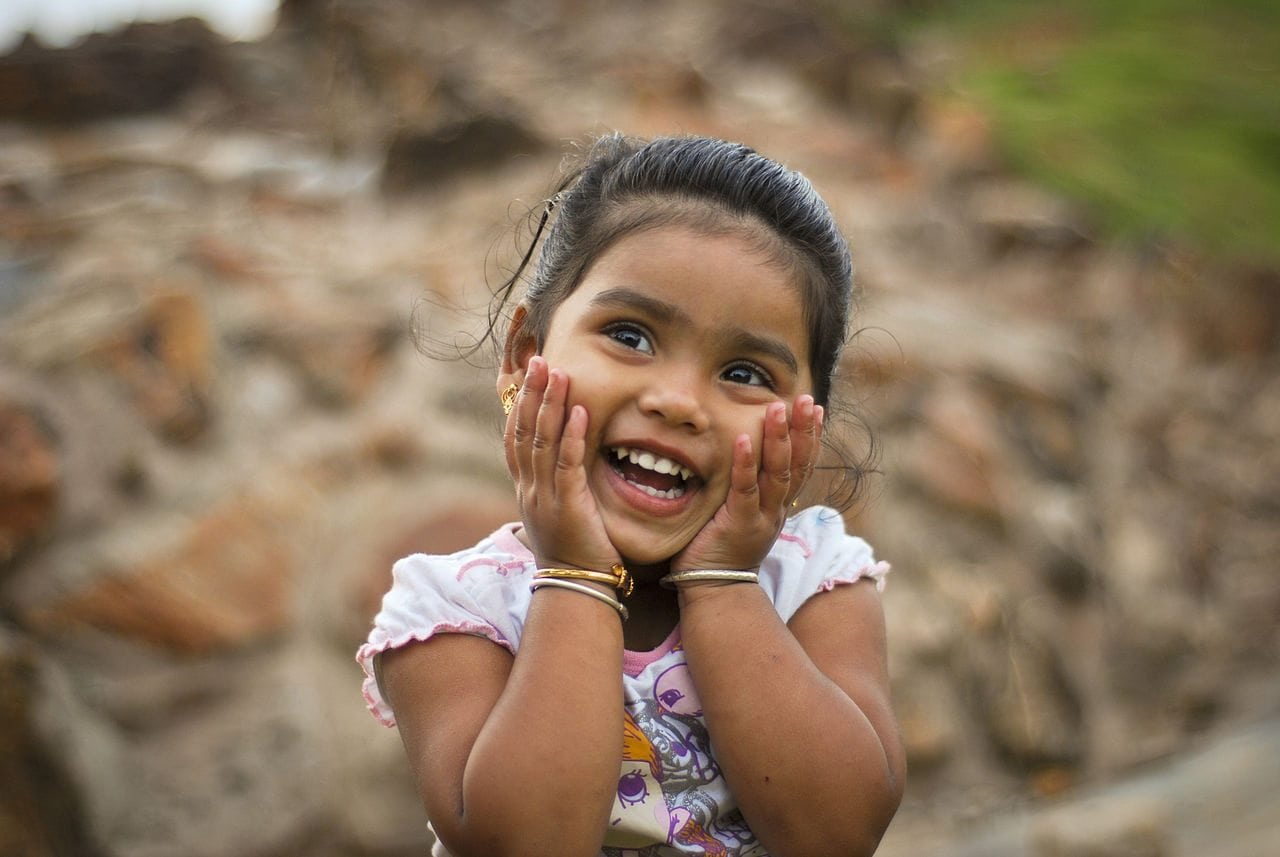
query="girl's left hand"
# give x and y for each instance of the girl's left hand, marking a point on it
(745, 527)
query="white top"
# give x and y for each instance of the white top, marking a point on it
(671, 797)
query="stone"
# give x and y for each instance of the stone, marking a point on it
(29, 479)
(42, 814)
(142, 68)
(957, 455)
(1132, 827)
(244, 773)
(340, 351)
(220, 580)
(420, 159)
(163, 355)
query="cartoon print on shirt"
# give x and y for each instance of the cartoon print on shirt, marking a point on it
(666, 763)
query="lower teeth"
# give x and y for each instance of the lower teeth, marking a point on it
(670, 494)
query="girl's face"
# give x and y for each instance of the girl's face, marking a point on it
(674, 342)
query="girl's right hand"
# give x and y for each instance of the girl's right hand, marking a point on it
(546, 451)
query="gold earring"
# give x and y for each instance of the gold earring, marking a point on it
(508, 398)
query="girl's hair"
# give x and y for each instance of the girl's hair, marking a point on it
(624, 185)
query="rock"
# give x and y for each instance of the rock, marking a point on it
(221, 579)
(421, 159)
(43, 813)
(341, 351)
(241, 775)
(1017, 687)
(957, 454)
(1132, 827)
(29, 479)
(1013, 215)
(142, 68)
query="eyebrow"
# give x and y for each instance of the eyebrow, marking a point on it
(667, 313)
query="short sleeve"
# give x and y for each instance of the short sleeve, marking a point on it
(433, 595)
(814, 554)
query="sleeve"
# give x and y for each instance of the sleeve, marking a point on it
(814, 554)
(427, 597)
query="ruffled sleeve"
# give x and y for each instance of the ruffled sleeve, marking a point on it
(468, 593)
(814, 554)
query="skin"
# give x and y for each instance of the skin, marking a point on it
(691, 346)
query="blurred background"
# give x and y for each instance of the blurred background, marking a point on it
(218, 235)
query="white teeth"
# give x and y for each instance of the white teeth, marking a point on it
(656, 463)
(654, 492)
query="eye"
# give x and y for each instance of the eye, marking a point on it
(630, 336)
(749, 374)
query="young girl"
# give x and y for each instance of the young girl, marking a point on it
(656, 659)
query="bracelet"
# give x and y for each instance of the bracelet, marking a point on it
(618, 577)
(585, 590)
(706, 576)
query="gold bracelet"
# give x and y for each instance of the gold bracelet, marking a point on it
(618, 577)
(707, 576)
(585, 590)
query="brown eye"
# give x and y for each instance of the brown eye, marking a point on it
(630, 336)
(749, 374)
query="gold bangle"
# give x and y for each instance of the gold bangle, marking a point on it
(708, 576)
(585, 590)
(618, 577)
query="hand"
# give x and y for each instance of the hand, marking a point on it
(745, 527)
(545, 456)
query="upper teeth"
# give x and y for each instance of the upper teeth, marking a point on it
(649, 461)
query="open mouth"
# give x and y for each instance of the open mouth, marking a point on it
(653, 474)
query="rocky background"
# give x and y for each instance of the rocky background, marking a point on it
(216, 431)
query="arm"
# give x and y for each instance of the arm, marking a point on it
(521, 756)
(799, 714)
(516, 756)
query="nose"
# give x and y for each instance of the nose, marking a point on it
(677, 400)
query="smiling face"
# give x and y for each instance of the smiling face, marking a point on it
(674, 342)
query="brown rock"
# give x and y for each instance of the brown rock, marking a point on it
(163, 355)
(341, 351)
(226, 582)
(957, 458)
(145, 67)
(29, 483)
(1133, 827)
(417, 160)
(41, 814)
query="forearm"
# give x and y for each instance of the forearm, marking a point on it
(811, 772)
(543, 771)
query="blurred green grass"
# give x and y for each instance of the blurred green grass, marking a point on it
(1161, 116)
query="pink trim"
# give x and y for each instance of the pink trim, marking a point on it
(794, 539)
(365, 654)
(634, 663)
(875, 572)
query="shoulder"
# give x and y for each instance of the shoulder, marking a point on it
(476, 591)
(814, 553)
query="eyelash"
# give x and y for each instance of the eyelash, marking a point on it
(613, 331)
(765, 378)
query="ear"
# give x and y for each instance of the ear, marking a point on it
(520, 345)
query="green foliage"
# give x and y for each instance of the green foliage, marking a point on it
(1162, 115)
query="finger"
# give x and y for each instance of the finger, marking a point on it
(804, 443)
(744, 481)
(550, 425)
(528, 401)
(775, 459)
(573, 445)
